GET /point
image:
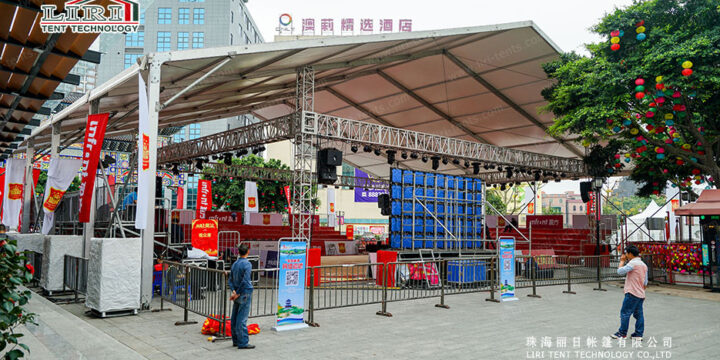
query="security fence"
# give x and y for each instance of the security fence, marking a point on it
(75, 272)
(204, 291)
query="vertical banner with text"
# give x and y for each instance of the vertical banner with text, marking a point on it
(94, 137)
(286, 190)
(204, 198)
(507, 268)
(146, 176)
(291, 285)
(331, 206)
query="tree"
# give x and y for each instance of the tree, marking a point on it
(551, 211)
(496, 201)
(513, 198)
(42, 180)
(12, 314)
(229, 193)
(650, 95)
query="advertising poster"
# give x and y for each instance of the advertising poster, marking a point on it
(366, 195)
(705, 255)
(205, 236)
(94, 136)
(291, 286)
(507, 268)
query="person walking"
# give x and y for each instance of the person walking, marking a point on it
(635, 284)
(241, 297)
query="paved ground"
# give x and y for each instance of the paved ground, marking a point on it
(471, 329)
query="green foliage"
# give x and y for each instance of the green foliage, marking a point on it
(12, 314)
(675, 139)
(551, 211)
(496, 201)
(630, 205)
(229, 193)
(42, 180)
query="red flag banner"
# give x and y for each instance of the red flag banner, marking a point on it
(204, 198)
(286, 190)
(180, 198)
(94, 137)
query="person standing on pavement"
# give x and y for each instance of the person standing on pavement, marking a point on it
(635, 284)
(241, 297)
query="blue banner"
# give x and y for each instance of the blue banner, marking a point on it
(366, 195)
(291, 285)
(507, 268)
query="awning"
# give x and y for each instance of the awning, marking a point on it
(32, 65)
(707, 204)
(479, 83)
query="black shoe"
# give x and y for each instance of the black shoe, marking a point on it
(248, 347)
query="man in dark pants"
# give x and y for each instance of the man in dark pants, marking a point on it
(242, 289)
(635, 284)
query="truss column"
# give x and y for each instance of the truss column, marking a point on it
(304, 135)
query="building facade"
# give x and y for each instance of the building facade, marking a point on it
(566, 204)
(171, 25)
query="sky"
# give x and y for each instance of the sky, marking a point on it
(566, 22)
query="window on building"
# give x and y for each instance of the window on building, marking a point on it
(179, 136)
(183, 40)
(183, 15)
(192, 185)
(231, 39)
(198, 40)
(142, 17)
(131, 59)
(135, 39)
(232, 17)
(164, 16)
(163, 41)
(199, 16)
(574, 208)
(194, 132)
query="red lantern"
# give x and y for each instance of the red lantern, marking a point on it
(615, 47)
(687, 72)
(639, 95)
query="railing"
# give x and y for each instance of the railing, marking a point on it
(35, 259)
(204, 291)
(75, 272)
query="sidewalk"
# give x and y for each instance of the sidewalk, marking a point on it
(62, 335)
(471, 329)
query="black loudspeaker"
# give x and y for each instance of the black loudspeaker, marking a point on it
(327, 161)
(158, 187)
(585, 190)
(655, 223)
(384, 204)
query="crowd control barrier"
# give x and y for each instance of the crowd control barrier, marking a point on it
(75, 272)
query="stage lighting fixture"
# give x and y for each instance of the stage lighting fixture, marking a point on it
(255, 151)
(435, 162)
(456, 162)
(391, 156)
(557, 179)
(367, 148)
(261, 148)
(536, 176)
(354, 148)
(486, 167)
(199, 164)
(517, 183)
(227, 160)
(563, 175)
(500, 168)
(215, 157)
(476, 168)
(502, 187)
(414, 156)
(575, 178)
(445, 161)
(492, 166)
(545, 181)
(424, 159)
(377, 152)
(404, 156)
(175, 170)
(467, 164)
(509, 173)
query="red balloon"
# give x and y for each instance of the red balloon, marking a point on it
(639, 81)
(687, 72)
(615, 47)
(639, 95)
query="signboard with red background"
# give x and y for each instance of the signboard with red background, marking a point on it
(545, 221)
(205, 236)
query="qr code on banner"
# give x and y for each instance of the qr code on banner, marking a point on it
(292, 277)
(507, 265)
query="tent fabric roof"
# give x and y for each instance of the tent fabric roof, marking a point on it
(32, 64)
(651, 211)
(707, 204)
(478, 83)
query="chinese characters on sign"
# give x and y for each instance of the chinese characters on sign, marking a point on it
(326, 27)
(593, 347)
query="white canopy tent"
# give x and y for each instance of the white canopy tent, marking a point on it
(637, 224)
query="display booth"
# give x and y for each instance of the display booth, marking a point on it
(707, 208)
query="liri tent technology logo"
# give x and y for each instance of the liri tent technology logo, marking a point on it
(83, 16)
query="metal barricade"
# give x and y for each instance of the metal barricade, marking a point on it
(75, 275)
(228, 242)
(35, 259)
(336, 286)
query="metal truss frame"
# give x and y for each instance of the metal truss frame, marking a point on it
(305, 133)
(252, 135)
(282, 175)
(360, 132)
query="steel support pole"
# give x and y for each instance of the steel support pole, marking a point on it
(29, 187)
(148, 234)
(89, 227)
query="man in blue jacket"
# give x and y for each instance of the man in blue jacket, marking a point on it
(242, 289)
